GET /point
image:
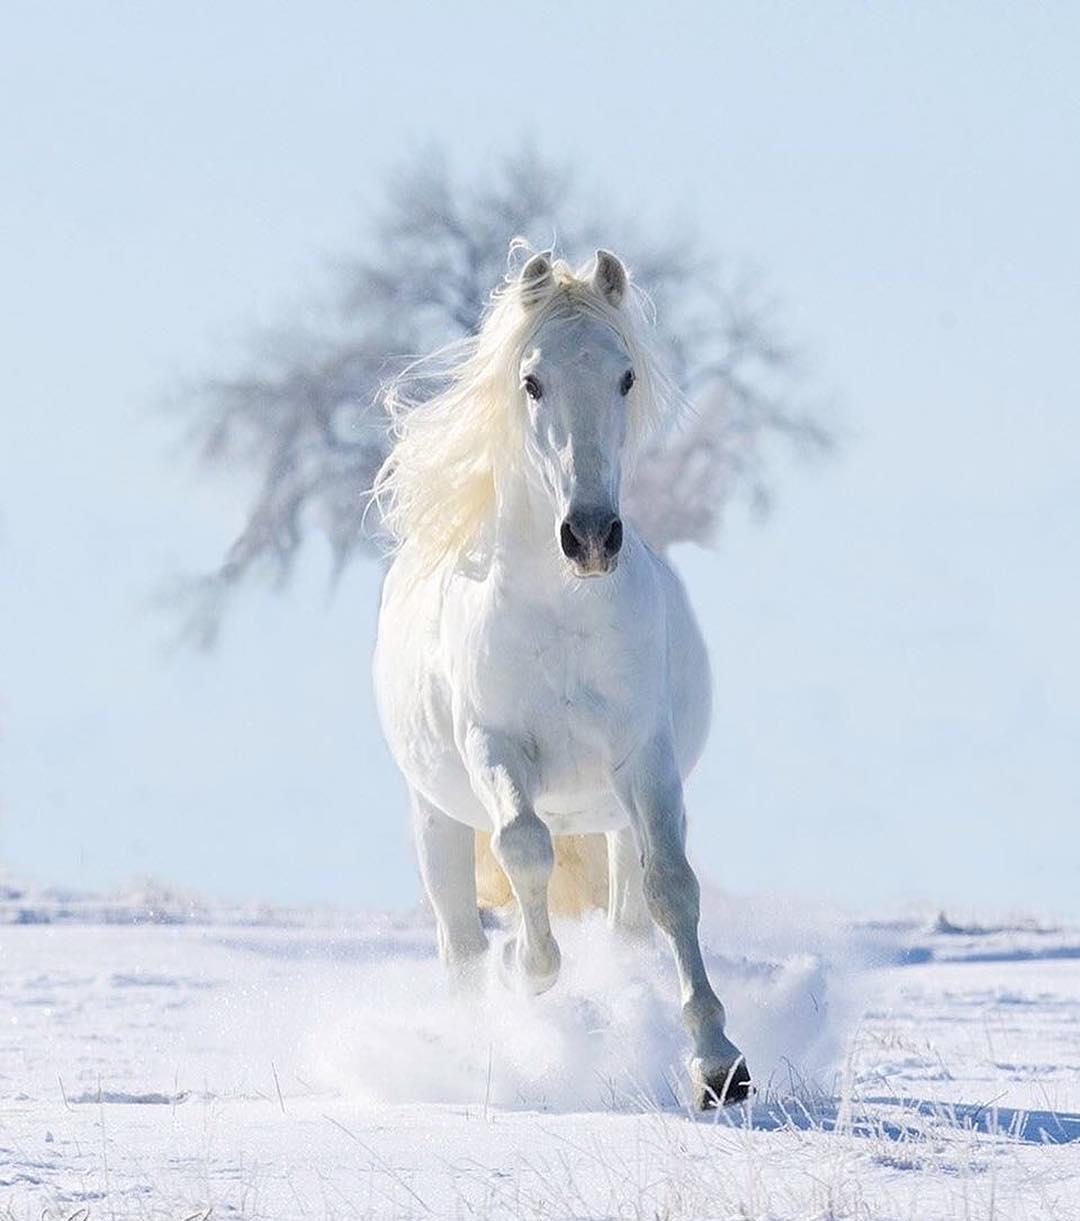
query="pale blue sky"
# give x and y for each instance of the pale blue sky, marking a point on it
(896, 652)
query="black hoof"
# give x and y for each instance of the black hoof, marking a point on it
(727, 1088)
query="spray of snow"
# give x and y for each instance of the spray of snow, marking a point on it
(608, 1035)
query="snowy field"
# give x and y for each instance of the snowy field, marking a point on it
(161, 1059)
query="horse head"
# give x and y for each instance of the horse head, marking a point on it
(576, 377)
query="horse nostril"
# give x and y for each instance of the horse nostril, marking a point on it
(613, 539)
(571, 544)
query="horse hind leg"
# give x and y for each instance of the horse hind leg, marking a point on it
(627, 909)
(444, 849)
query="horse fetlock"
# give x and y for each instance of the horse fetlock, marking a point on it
(718, 1068)
(462, 953)
(466, 975)
(704, 1017)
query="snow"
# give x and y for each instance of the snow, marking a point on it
(161, 1056)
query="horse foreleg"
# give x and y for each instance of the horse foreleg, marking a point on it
(444, 848)
(652, 791)
(627, 910)
(521, 843)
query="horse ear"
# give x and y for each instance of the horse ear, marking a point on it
(536, 277)
(610, 278)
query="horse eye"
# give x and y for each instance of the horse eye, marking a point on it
(532, 388)
(627, 382)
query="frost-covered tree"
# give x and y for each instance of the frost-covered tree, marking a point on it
(305, 416)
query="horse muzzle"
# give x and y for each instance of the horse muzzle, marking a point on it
(591, 540)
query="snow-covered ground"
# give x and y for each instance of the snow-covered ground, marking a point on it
(160, 1058)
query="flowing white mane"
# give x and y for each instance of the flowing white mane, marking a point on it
(454, 412)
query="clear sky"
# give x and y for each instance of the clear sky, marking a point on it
(896, 652)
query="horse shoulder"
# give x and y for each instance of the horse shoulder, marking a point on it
(688, 671)
(410, 683)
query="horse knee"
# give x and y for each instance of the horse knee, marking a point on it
(672, 891)
(524, 849)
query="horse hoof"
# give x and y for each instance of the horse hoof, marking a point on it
(725, 1087)
(531, 973)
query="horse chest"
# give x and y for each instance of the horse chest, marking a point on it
(575, 699)
(567, 686)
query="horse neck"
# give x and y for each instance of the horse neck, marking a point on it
(524, 542)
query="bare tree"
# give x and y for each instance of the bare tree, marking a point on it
(306, 417)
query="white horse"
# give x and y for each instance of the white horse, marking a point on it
(538, 668)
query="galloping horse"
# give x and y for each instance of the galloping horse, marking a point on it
(538, 668)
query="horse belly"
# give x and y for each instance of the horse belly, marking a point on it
(575, 795)
(581, 813)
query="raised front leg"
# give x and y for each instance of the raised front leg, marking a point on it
(650, 786)
(501, 776)
(444, 849)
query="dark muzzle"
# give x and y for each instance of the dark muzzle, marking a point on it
(591, 540)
